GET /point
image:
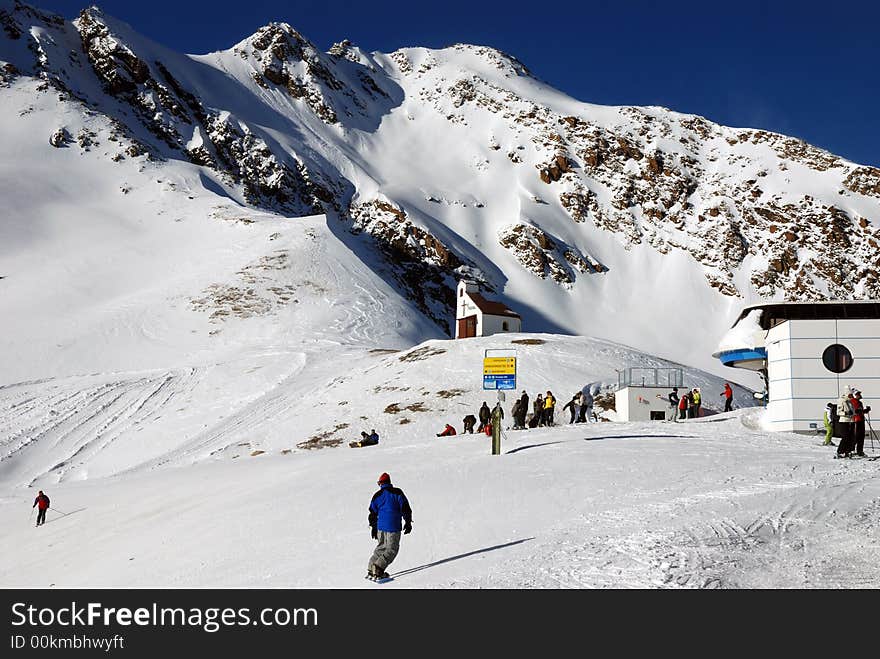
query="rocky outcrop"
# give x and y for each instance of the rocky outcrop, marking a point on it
(8, 73)
(209, 138)
(426, 268)
(278, 49)
(643, 177)
(647, 180)
(333, 86)
(864, 181)
(60, 138)
(544, 256)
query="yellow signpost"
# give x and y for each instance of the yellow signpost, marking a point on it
(499, 372)
(499, 366)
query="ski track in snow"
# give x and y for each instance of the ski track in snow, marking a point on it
(788, 547)
(71, 420)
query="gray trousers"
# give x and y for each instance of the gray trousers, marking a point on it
(385, 552)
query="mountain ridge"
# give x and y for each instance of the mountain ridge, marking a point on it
(458, 162)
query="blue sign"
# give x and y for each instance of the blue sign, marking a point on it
(499, 381)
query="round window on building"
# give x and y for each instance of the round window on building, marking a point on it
(837, 358)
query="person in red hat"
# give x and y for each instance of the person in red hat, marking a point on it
(388, 507)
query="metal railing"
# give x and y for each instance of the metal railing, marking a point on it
(650, 377)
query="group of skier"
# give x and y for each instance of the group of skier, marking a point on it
(541, 412)
(690, 404)
(846, 419)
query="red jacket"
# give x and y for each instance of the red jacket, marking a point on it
(728, 392)
(858, 410)
(449, 430)
(42, 501)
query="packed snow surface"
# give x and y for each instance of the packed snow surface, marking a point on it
(709, 503)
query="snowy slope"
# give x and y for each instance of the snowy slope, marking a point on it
(693, 505)
(639, 225)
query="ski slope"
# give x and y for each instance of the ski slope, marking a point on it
(710, 503)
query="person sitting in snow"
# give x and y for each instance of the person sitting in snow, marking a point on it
(469, 421)
(447, 431)
(366, 440)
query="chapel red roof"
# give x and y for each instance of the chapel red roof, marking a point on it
(492, 308)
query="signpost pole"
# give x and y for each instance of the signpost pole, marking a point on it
(496, 426)
(499, 372)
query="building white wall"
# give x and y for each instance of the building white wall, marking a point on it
(487, 324)
(801, 386)
(637, 403)
(464, 306)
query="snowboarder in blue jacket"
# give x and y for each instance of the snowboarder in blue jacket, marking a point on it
(388, 507)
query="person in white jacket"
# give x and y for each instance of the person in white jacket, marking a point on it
(845, 415)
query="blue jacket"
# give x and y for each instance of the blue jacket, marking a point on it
(387, 507)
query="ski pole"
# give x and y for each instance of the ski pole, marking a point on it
(870, 428)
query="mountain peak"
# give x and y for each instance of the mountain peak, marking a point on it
(10, 9)
(498, 58)
(279, 38)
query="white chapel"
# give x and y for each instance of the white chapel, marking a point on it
(477, 316)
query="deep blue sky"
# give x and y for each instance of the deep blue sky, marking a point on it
(808, 69)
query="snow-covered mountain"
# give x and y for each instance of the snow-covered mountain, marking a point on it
(216, 270)
(640, 225)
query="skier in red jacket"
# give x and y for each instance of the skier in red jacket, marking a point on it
(42, 504)
(728, 396)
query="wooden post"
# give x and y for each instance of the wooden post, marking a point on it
(496, 429)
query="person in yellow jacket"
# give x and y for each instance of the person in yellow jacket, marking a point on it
(698, 399)
(549, 406)
(829, 425)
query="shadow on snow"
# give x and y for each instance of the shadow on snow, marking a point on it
(455, 558)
